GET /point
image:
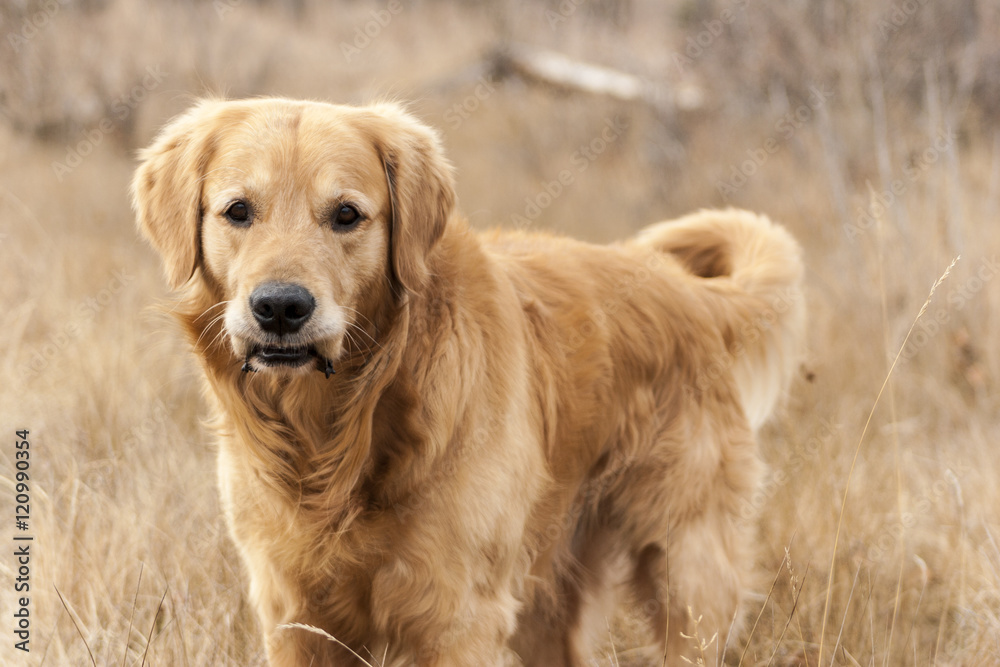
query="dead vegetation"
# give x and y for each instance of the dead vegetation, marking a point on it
(869, 129)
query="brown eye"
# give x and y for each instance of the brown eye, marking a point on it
(238, 213)
(346, 217)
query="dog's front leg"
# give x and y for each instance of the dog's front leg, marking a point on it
(445, 616)
(467, 644)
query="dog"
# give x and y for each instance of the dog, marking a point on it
(440, 447)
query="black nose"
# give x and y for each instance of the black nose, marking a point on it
(281, 308)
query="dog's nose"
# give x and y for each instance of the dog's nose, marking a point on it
(281, 308)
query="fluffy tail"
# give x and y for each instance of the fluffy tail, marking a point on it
(753, 279)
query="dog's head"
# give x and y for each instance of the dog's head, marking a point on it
(300, 217)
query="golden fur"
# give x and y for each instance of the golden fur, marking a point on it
(521, 428)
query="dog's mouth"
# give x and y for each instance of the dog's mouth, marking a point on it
(288, 356)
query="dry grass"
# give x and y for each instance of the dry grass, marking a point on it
(123, 482)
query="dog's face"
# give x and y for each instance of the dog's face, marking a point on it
(303, 218)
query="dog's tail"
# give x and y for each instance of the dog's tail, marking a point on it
(753, 279)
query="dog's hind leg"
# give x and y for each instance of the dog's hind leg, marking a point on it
(689, 588)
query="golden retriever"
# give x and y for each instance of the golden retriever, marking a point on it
(440, 447)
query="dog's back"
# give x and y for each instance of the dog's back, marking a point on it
(656, 360)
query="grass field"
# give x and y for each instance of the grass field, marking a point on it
(868, 129)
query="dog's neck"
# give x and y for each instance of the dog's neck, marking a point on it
(320, 443)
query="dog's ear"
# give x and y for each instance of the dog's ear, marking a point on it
(166, 190)
(421, 189)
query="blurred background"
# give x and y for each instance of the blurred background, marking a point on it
(870, 129)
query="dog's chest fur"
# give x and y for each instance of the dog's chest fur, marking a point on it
(295, 571)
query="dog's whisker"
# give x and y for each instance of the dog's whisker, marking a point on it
(215, 320)
(359, 314)
(352, 342)
(209, 326)
(366, 335)
(214, 340)
(221, 304)
(359, 328)
(219, 335)
(348, 339)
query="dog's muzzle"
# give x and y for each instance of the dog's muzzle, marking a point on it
(282, 309)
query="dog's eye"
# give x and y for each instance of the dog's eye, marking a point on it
(238, 213)
(346, 217)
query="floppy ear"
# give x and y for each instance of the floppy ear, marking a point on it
(421, 189)
(166, 190)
